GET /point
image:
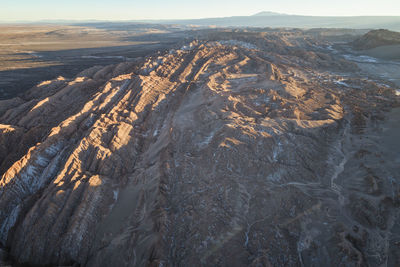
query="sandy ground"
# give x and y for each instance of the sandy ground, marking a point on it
(379, 64)
(389, 52)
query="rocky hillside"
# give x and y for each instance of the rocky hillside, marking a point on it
(240, 150)
(376, 38)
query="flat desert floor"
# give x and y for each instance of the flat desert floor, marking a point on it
(33, 53)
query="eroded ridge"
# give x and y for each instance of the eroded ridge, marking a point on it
(226, 153)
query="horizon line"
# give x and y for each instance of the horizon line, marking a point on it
(180, 19)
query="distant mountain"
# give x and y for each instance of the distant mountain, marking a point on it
(262, 19)
(268, 13)
(271, 19)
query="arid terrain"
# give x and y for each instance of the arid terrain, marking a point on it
(235, 147)
(380, 44)
(32, 53)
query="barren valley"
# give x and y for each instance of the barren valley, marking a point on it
(30, 54)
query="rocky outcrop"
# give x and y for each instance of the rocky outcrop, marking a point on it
(376, 38)
(220, 153)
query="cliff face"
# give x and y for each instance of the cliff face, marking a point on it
(220, 153)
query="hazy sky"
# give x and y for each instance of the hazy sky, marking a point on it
(181, 9)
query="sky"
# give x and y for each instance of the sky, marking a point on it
(31, 10)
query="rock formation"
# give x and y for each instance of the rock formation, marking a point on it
(242, 151)
(376, 38)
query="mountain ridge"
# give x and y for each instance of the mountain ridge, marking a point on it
(297, 21)
(270, 19)
(269, 13)
(205, 154)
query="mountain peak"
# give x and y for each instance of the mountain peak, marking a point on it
(268, 13)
